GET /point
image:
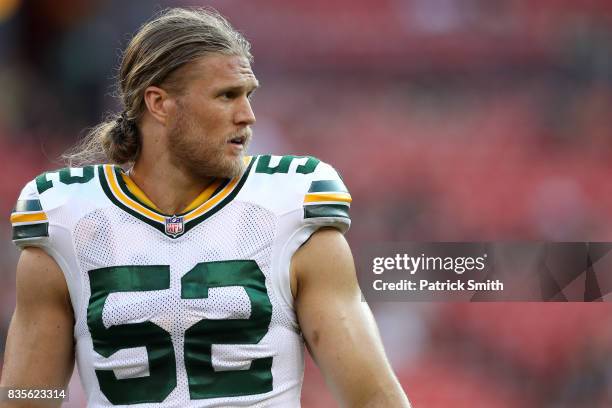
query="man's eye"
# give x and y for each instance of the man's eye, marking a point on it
(229, 95)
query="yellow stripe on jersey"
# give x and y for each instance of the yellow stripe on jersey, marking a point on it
(204, 196)
(28, 217)
(220, 196)
(138, 193)
(327, 197)
(199, 200)
(198, 207)
(114, 185)
(212, 202)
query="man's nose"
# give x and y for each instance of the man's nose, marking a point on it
(244, 114)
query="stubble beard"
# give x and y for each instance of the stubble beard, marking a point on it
(200, 156)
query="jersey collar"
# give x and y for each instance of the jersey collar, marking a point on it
(126, 195)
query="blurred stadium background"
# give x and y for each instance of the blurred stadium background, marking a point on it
(450, 120)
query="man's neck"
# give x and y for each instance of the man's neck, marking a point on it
(171, 189)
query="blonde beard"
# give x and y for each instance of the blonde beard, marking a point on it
(199, 158)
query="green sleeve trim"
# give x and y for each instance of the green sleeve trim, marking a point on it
(327, 186)
(30, 231)
(326, 210)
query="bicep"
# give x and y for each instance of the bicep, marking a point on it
(39, 349)
(337, 325)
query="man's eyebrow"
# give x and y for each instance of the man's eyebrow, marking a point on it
(239, 88)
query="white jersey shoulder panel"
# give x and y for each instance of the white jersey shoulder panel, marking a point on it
(305, 194)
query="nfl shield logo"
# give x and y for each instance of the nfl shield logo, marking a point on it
(174, 226)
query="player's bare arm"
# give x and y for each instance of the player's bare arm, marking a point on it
(338, 327)
(39, 349)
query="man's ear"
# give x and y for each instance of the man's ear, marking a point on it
(158, 102)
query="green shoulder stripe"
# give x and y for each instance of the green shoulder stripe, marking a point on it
(27, 205)
(30, 231)
(327, 186)
(326, 210)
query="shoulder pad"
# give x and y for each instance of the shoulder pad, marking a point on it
(50, 190)
(301, 183)
(327, 201)
(29, 221)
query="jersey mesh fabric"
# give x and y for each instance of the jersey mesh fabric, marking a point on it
(240, 231)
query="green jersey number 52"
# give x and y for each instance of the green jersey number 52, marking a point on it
(204, 381)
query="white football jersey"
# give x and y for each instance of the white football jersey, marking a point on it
(185, 310)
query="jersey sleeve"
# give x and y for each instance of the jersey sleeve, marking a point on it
(29, 221)
(327, 201)
(316, 200)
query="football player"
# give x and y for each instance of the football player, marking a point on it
(194, 278)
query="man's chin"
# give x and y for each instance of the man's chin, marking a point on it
(235, 163)
(225, 166)
(236, 171)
